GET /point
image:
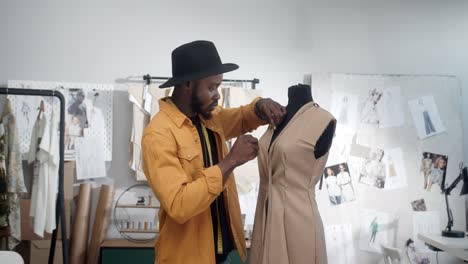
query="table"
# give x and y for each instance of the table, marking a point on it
(457, 247)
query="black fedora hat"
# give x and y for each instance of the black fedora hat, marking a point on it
(194, 61)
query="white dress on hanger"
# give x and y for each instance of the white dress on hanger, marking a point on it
(36, 136)
(49, 158)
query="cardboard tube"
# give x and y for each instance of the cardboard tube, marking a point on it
(101, 222)
(79, 241)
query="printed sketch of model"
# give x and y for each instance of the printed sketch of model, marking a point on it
(373, 169)
(369, 114)
(77, 107)
(391, 167)
(426, 167)
(374, 228)
(428, 125)
(344, 182)
(437, 172)
(343, 118)
(334, 191)
(26, 109)
(418, 205)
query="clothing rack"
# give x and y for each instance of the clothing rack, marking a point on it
(60, 206)
(254, 81)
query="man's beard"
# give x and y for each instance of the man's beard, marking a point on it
(196, 105)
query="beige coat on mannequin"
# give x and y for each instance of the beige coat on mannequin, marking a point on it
(288, 227)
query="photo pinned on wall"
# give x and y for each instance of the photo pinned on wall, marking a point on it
(433, 169)
(76, 117)
(339, 184)
(345, 108)
(373, 169)
(395, 169)
(371, 112)
(419, 205)
(392, 110)
(340, 243)
(377, 228)
(426, 116)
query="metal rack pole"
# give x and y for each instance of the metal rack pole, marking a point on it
(60, 208)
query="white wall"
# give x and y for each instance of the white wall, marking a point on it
(275, 41)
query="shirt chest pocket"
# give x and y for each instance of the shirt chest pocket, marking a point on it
(191, 161)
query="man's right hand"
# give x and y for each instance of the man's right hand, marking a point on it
(244, 149)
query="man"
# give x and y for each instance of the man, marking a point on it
(187, 163)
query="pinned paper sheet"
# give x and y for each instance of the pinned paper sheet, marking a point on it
(339, 184)
(90, 162)
(392, 110)
(426, 116)
(395, 169)
(339, 242)
(345, 109)
(377, 228)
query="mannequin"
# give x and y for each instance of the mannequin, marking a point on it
(288, 228)
(298, 96)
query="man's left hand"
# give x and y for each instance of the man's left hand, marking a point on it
(270, 111)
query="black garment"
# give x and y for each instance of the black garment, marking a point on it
(228, 245)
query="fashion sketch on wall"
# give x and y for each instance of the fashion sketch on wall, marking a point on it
(426, 116)
(340, 244)
(395, 169)
(345, 108)
(339, 184)
(377, 228)
(371, 113)
(433, 169)
(392, 108)
(373, 169)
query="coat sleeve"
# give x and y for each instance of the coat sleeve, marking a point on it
(180, 198)
(240, 120)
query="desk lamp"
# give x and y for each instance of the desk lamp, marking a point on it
(448, 232)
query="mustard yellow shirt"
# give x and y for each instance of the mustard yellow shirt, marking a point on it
(173, 165)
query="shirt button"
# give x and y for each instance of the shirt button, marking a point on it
(188, 156)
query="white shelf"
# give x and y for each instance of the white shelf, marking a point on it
(138, 206)
(139, 231)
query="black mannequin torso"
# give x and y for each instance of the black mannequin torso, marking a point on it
(298, 96)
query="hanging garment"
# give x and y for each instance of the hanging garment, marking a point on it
(141, 118)
(13, 173)
(47, 187)
(36, 136)
(288, 227)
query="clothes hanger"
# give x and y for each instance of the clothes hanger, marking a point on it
(41, 109)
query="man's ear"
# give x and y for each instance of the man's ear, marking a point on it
(190, 87)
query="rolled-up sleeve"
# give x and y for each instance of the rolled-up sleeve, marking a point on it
(240, 120)
(180, 197)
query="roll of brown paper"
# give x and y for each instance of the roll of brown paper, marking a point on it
(101, 222)
(79, 240)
